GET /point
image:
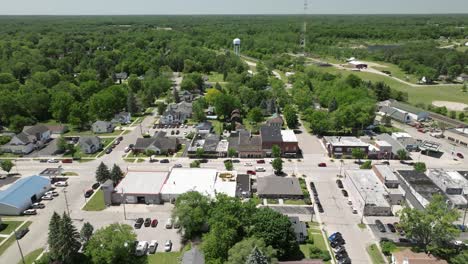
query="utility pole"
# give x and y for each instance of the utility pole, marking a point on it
(123, 203)
(19, 247)
(66, 201)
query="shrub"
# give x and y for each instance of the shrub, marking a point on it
(387, 247)
(366, 165)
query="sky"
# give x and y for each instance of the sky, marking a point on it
(134, 7)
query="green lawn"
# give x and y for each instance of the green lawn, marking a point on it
(215, 77)
(11, 240)
(319, 241)
(166, 258)
(272, 201)
(375, 254)
(96, 203)
(31, 257)
(8, 226)
(420, 94)
(296, 202)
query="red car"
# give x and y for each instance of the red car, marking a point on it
(460, 155)
(322, 164)
(260, 161)
(251, 172)
(67, 161)
(154, 223)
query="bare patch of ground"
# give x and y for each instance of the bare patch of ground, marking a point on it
(451, 105)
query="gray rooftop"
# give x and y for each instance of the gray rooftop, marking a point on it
(346, 141)
(449, 181)
(275, 185)
(271, 133)
(386, 173)
(421, 183)
(369, 187)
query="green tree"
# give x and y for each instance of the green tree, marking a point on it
(69, 240)
(161, 108)
(461, 258)
(277, 165)
(192, 210)
(229, 166)
(420, 166)
(62, 145)
(290, 116)
(198, 112)
(61, 105)
(54, 236)
(402, 154)
(112, 245)
(464, 88)
(358, 154)
(132, 106)
(461, 116)
(275, 229)
(387, 120)
(367, 165)
(241, 251)
(199, 153)
(257, 257)
(276, 151)
(6, 165)
(453, 114)
(222, 236)
(232, 152)
(255, 115)
(86, 232)
(78, 116)
(319, 122)
(102, 173)
(116, 174)
(195, 164)
(431, 226)
(333, 105)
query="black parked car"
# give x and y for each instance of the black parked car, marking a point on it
(108, 150)
(147, 222)
(164, 161)
(138, 223)
(380, 226)
(96, 185)
(88, 193)
(391, 228)
(21, 233)
(337, 243)
(342, 255)
(344, 261)
(339, 183)
(345, 193)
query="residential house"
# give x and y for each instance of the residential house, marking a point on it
(187, 96)
(407, 256)
(122, 118)
(279, 187)
(300, 229)
(176, 113)
(57, 129)
(204, 127)
(159, 144)
(246, 144)
(463, 77)
(236, 116)
(99, 127)
(90, 144)
(120, 77)
(342, 147)
(276, 120)
(206, 141)
(210, 111)
(32, 137)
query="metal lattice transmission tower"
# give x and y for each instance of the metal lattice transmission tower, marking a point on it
(304, 28)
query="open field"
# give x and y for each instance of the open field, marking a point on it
(8, 226)
(420, 94)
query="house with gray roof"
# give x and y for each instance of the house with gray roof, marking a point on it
(31, 138)
(206, 141)
(300, 229)
(120, 77)
(90, 144)
(279, 187)
(122, 118)
(402, 112)
(99, 127)
(246, 144)
(176, 113)
(159, 144)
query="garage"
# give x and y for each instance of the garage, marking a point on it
(140, 187)
(21, 194)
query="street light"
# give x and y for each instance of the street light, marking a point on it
(66, 201)
(19, 247)
(123, 203)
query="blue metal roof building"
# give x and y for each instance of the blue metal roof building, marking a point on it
(21, 194)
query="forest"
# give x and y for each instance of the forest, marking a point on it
(64, 68)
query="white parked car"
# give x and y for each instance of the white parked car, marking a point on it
(169, 223)
(153, 245)
(47, 197)
(61, 184)
(168, 246)
(53, 161)
(350, 202)
(354, 210)
(51, 193)
(30, 212)
(259, 169)
(248, 164)
(141, 248)
(178, 166)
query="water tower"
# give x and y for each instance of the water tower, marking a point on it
(236, 42)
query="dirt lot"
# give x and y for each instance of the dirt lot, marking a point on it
(451, 105)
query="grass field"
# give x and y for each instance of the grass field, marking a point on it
(8, 226)
(11, 240)
(296, 202)
(31, 257)
(375, 254)
(215, 77)
(96, 203)
(420, 94)
(166, 258)
(319, 242)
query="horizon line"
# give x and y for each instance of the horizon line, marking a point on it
(239, 14)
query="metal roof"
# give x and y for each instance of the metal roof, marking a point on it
(22, 190)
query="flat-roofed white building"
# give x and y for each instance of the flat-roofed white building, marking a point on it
(452, 183)
(203, 180)
(140, 187)
(367, 192)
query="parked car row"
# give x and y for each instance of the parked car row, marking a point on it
(316, 198)
(143, 247)
(161, 126)
(337, 243)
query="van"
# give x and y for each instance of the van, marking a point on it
(169, 223)
(141, 248)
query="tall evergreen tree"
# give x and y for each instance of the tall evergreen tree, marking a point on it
(69, 240)
(86, 232)
(54, 235)
(116, 174)
(102, 173)
(256, 257)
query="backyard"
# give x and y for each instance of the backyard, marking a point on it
(316, 240)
